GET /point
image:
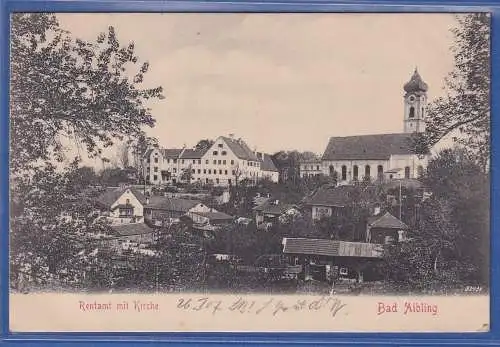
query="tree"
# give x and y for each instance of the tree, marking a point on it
(466, 108)
(449, 243)
(204, 144)
(65, 88)
(123, 155)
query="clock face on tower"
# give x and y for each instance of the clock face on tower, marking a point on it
(412, 99)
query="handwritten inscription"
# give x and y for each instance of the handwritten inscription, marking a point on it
(272, 306)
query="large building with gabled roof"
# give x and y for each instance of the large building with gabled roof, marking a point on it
(382, 156)
(226, 162)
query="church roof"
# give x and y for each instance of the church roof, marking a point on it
(415, 84)
(368, 147)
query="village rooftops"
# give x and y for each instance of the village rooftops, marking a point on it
(240, 149)
(266, 162)
(332, 248)
(171, 204)
(129, 229)
(110, 196)
(369, 147)
(340, 196)
(273, 206)
(386, 221)
(214, 216)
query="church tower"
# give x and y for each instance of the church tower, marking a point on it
(415, 102)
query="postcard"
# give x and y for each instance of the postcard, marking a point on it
(203, 172)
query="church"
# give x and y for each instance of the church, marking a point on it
(382, 156)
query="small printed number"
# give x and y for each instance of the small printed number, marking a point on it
(473, 289)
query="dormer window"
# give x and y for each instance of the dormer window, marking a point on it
(215, 153)
(223, 153)
(221, 145)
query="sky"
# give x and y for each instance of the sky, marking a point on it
(279, 81)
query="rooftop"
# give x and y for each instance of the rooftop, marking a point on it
(129, 229)
(368, 147)
(386, 221)
(333, 248)
(112, 194)
(171, 204)
(340, 196)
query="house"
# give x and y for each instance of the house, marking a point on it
(161, 209)
(209, 221)
(130, 235)
(383, 156)
(122, 205)
(268, 168)
(311, 168)
(331, 200)
(227, 162)
(332, 260)
(273, 211)
(385, 228)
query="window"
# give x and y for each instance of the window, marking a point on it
(332, 170)
(407, 172)
(206, 161)
(156, 169)
(199, 161)
(155, 177)
(193, 171)
(224, 162)
(199, 171)
(380, 171)
(206, 180)
(232, 162)
(149, 161)
(344, 172)
(148, 169)
(175, 170)
(220, 145)
(215, 153)
(156, 160)
(220, 172)
(182, 161)
(168, 161)
(355, 172)
(234, 172)
(317, 167)
(127, 202)
(412, 112)
(175, 161)
(215, 162)
(225, 172)
(422, 112)
(367, 171)
(229, 181)
(219, 162)
(209, 171)
(420, 170)
(204, 171)
(223, 153)
(217, 180)
(194, 161)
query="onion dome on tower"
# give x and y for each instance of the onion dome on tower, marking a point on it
(415, 84)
